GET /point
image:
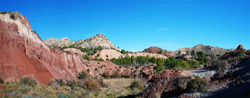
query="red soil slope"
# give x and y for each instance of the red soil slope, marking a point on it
(157, 50)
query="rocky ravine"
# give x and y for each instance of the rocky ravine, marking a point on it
(203, 48)
(94, 42)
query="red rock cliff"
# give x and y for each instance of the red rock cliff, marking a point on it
(22, 53)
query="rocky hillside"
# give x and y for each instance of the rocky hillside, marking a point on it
(206, 49)
(157, 50)
(94, 42)
(23, 53)
(110, 53)
(227, 76)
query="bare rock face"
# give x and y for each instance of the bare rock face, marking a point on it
(108, 54)
(76, 51)
(23, 53)
(157, 50)
(99, 40)
(162, 82)
(240, 47)
(59, 42)
(206, 49)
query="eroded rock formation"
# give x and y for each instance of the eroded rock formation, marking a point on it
(160, 83)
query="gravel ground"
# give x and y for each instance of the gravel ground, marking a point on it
(201, 72)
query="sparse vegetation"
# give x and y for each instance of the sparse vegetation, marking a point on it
(183, 81)
(169, 63)
(179, 52)
(82, 75)
(86, 57)
(96, 59)
(218, 64)
(1, 80)
(197, 85)
(193, 53)
(89, 51)
(136, 84)
(28, 81)
(3, 12)
(160, 52)
(12, 16)
(91, 84)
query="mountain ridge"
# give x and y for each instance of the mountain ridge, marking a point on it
(207, 49)
(92, 42)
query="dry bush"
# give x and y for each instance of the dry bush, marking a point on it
(218, 64)
(83, 75)
(101, 82)
(197, 85)
(126, 74)
(115, 74)
(91, 84)
(136, 84)
(106, 74)
(182, 82)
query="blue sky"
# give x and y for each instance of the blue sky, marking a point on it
(136, 25)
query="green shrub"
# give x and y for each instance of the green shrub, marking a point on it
(3, 12)
(80, 92)
(183, 81)
(197, 85)
(55, 85)
(86, 57)
(193, 64)
(247, 52)
(160, 52)
(82, 75)
(12, 16)
(71, 84)
(62, 96)
(28, 81)
(1, 80)
(123, 51)
(60, 82)
(179, 52)
(136, 84)
(159, 68)
(218, 64)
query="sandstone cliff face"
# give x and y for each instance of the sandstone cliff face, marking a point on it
(24, 54)
(94, 42)
(205, 49)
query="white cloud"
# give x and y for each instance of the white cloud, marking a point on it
(162, 29)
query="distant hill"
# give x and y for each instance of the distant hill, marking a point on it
(206, 49)
(157, 50)
(94, 42)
